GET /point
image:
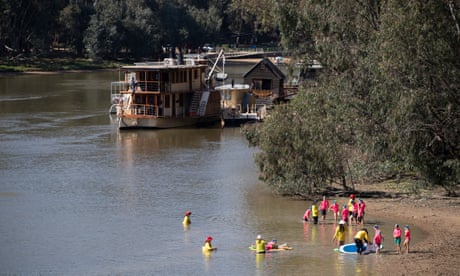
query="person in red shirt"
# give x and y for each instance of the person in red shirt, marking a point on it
(361, 209)
(323, 207)
(307, 214)
(335, 210)
(406, 238)
(345, 213)
(378, 239)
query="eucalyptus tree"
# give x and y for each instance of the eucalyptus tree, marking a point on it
(419, 58)
(73, 20)
(28, 25)
(387, 99)
(122, 26)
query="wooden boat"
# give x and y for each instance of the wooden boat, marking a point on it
(168, 94)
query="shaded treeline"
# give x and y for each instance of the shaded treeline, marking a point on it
(107, 29)
(387, 104)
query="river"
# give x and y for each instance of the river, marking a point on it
(80, 197)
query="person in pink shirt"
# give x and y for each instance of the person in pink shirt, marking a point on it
(361, 209)
(406, 238)
(323, 207)
(335, 210)
(397, 238)
(354, 212)
(345, 213)
(307, 214)
(378, 239)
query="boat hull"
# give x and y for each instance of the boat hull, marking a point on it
(165, 122)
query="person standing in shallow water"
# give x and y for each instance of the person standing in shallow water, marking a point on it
(339, 234)
(324, 206)
(187, 220)
(345, 213)
(314, 212)
(207, 244)
(378, 239)
(406, 238)
(335, 209)
(260, 245)
(397, 238)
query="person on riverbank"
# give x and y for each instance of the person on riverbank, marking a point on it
(260, 245)
(345, 213)
(324, 206)
(361, 237)
(397, 238)
(314, 212)
(339, 234)
(378, 239)
(406, 238)
(335, 210)
(186, 221)
(307, 214)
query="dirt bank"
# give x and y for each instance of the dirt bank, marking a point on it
(439, 217)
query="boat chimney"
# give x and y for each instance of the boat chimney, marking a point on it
(180, 60)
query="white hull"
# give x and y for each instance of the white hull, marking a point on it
(164, 122)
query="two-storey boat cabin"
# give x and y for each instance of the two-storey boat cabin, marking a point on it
(165, 94)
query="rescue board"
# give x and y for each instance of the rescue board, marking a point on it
(350, 248)
(252, 247)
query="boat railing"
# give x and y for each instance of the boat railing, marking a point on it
(250, 108)
(116, 89)
(140, 110)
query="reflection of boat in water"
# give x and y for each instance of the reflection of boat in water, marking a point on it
(164, 94)
(239, 104)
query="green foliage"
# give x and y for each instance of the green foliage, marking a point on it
(387, 100)
(108, 29)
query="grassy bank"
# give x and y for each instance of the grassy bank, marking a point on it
(22, 65)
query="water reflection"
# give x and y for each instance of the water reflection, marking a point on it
(77, 196)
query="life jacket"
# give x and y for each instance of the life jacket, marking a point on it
(260, 246)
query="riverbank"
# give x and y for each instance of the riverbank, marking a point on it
(436, 215)
(32, 65)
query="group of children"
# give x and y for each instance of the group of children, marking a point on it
(353, 213)
(397, 233)
(357, 216)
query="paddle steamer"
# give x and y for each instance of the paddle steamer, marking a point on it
(168, 94)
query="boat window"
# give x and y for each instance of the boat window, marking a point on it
(142, 76)
(195, 74)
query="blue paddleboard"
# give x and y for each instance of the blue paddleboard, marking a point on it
(350, 248)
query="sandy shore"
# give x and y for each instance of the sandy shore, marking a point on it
(437, 254)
